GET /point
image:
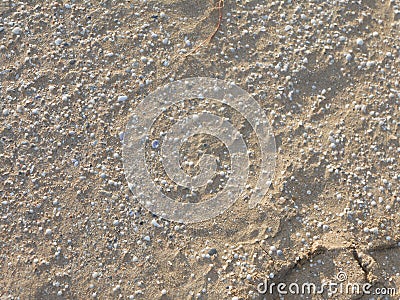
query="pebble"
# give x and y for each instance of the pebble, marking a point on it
(155, 144)
(360, 42)
(58, 42)
(48, 231)
(212, 251)
(288, 27)
(155, 224)
(17, 31)
(122, 98)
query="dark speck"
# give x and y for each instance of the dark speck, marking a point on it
(212, 251)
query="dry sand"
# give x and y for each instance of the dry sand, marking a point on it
(326, 74)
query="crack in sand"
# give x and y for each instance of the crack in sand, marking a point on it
(366, 262)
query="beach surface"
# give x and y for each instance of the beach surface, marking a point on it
(326, 74)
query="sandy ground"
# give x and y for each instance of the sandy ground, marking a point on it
(326, 74)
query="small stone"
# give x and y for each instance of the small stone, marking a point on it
(122, 98)
(164, 292)
(116, 288)
(155, 144)
(155, 224)
(360, 42)
(48, 231)
(288, 28)
(6, 112)
(17, 31)
(58, 42)
(212, 251)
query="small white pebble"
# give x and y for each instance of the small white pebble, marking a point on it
(58, 42)
(155, 224)
(122, 98)
(17, 31)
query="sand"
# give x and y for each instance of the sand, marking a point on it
(326, 74)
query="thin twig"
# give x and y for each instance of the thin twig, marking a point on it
(219, 6)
